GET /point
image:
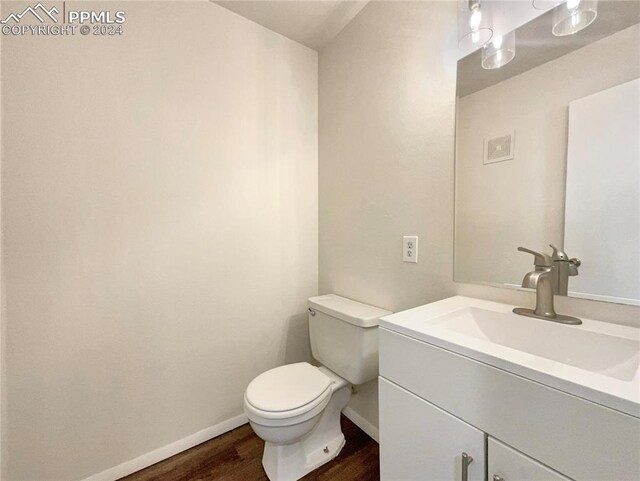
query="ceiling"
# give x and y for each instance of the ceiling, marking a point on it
(536, 45)
(309, 22)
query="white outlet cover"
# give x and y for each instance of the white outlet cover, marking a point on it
(410, 249)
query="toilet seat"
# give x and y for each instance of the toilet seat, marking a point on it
(287, 395)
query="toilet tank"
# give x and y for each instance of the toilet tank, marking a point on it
(344, 336)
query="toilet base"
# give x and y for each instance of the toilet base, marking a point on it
(290, 462)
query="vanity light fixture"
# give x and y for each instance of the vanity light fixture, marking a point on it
(474, 24)
(499, 52)
(573, 15)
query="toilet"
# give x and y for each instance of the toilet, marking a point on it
(296, 408)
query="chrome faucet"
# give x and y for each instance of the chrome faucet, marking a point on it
(544, 279)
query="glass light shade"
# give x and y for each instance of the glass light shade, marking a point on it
(474, 24)
(500, 51)
(573, 16)
(545, 4)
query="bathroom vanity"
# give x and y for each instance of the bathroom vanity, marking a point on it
(525, 398)
(469, 390)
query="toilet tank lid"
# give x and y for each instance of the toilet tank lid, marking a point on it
(353, 312)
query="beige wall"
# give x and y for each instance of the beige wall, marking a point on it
(159, 201)
(520, 202)
(387, 91)
(2, 303)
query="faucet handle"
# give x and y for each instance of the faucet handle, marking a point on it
(541, 259)
(573, 266)
(558, 255)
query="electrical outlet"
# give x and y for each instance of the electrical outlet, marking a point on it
(410, 248)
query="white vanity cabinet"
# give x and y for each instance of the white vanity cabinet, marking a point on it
(408, 449)
(436, 404)
(507, 464)
(421, 442)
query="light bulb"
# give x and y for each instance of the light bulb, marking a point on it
(474, 24)
(571, 4)
(475, 18)
(576, 19)
(497, 43)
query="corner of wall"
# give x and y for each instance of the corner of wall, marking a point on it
(386, 123)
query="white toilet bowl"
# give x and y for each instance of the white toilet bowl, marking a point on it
(296, 408)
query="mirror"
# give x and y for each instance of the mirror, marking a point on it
(547, 152)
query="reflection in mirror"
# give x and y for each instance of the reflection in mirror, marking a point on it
(547, 152)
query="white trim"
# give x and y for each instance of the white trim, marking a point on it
(160, 454)
(362, 423)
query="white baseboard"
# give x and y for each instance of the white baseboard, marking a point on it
(362, 423)
(160, 454)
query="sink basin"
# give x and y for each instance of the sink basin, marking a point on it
(598, 361)
(609, 355)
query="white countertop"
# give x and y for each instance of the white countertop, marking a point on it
(450, 324)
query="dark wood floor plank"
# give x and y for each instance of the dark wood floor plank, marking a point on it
(237, 456)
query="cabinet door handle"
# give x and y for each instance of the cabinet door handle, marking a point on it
(497, 478)
(466, 461)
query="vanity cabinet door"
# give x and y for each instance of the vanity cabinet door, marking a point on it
(420, 442)
(507, 464)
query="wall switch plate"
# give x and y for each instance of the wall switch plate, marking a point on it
(410, 248)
